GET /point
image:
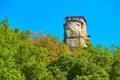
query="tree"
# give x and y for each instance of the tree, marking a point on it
(115, 72)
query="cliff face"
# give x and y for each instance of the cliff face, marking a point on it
(75, 32)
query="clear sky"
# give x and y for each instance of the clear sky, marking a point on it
(103, 17)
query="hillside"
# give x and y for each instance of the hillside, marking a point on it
(28, 56)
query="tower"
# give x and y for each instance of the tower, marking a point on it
(75, 31)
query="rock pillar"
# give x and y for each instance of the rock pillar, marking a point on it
(75, 31)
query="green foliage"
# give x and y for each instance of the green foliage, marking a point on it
(8, 68)
(79, 68)
(26, 56)
(115, 72)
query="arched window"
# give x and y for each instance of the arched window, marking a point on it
(69, 18)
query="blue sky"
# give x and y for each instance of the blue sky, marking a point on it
(103, 17)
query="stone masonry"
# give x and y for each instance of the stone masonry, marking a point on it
(75, 31)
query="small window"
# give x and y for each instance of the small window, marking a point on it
(68, 18)
(77, 18)
(73, 18)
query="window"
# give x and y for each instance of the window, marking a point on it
(77, 18)
(68, 18)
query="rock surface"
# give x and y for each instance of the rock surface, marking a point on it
(75, 32)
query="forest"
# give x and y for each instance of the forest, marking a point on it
(30, 56)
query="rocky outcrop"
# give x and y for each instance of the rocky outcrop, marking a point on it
(75, 32)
